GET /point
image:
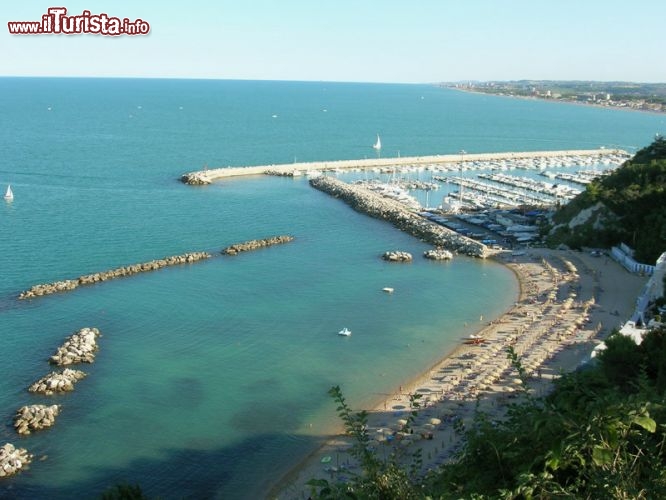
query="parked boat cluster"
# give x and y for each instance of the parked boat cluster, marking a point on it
(89, 279)
(582, 177)
(256, 244)
(522, 191)
(374, 205)
(397, 256)
(609, 158)
(12, 459)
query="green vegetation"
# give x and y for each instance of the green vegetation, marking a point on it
(630, 207)
(124, 492)
(601, 433)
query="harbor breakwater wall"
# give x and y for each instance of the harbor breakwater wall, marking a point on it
(153, 265)
(248, 246)
(203, 177)
(89, 279)
(367, 202)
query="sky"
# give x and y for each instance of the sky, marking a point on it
(417, 41)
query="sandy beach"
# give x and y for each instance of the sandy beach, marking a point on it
(568, 302)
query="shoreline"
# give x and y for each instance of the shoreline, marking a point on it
(558, 101)
(566, 304)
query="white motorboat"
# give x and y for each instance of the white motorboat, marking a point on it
(345, 332)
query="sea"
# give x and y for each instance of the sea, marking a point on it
(211, 378)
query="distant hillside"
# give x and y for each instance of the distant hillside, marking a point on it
(627, 206)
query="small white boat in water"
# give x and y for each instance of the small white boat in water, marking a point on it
(9, 195)
(345, 332)
(377, 145)
(387, 289)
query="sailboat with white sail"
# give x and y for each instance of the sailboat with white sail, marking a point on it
(9, 195)
(377, 145)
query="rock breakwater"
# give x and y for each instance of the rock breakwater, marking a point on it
(34, 418)
(397, 256)
(56, 382)
(438, 254)
(120, 272)
(256, 244)
(195, 179)
(13, 460)
(80, 347)
(283, 173)
(365, 201)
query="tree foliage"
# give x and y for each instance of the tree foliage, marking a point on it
(635, 198)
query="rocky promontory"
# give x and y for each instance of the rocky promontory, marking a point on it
(34, 418)
(80, 347)
(365, 201)
(89, 279)
(256, 244)
(13, 460)
(397, 256)
(57, 382)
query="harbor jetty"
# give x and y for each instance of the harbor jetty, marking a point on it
(89, 279)
(203, 177)
(370, 203)
(248, 246)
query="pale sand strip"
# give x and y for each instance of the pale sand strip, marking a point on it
(219, 173)
(568, 301)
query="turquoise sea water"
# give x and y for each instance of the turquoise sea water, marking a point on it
(211, 378)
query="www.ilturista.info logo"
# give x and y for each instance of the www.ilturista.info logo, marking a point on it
(56, 21)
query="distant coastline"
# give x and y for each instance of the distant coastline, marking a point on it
(651, 99)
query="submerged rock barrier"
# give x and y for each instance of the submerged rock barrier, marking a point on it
(89, 279)
(57, 382)
(438, 254)
(365, 201)
(397, 256)
(13, 460)
(256, 244)
(80, 347)
(34, 418)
